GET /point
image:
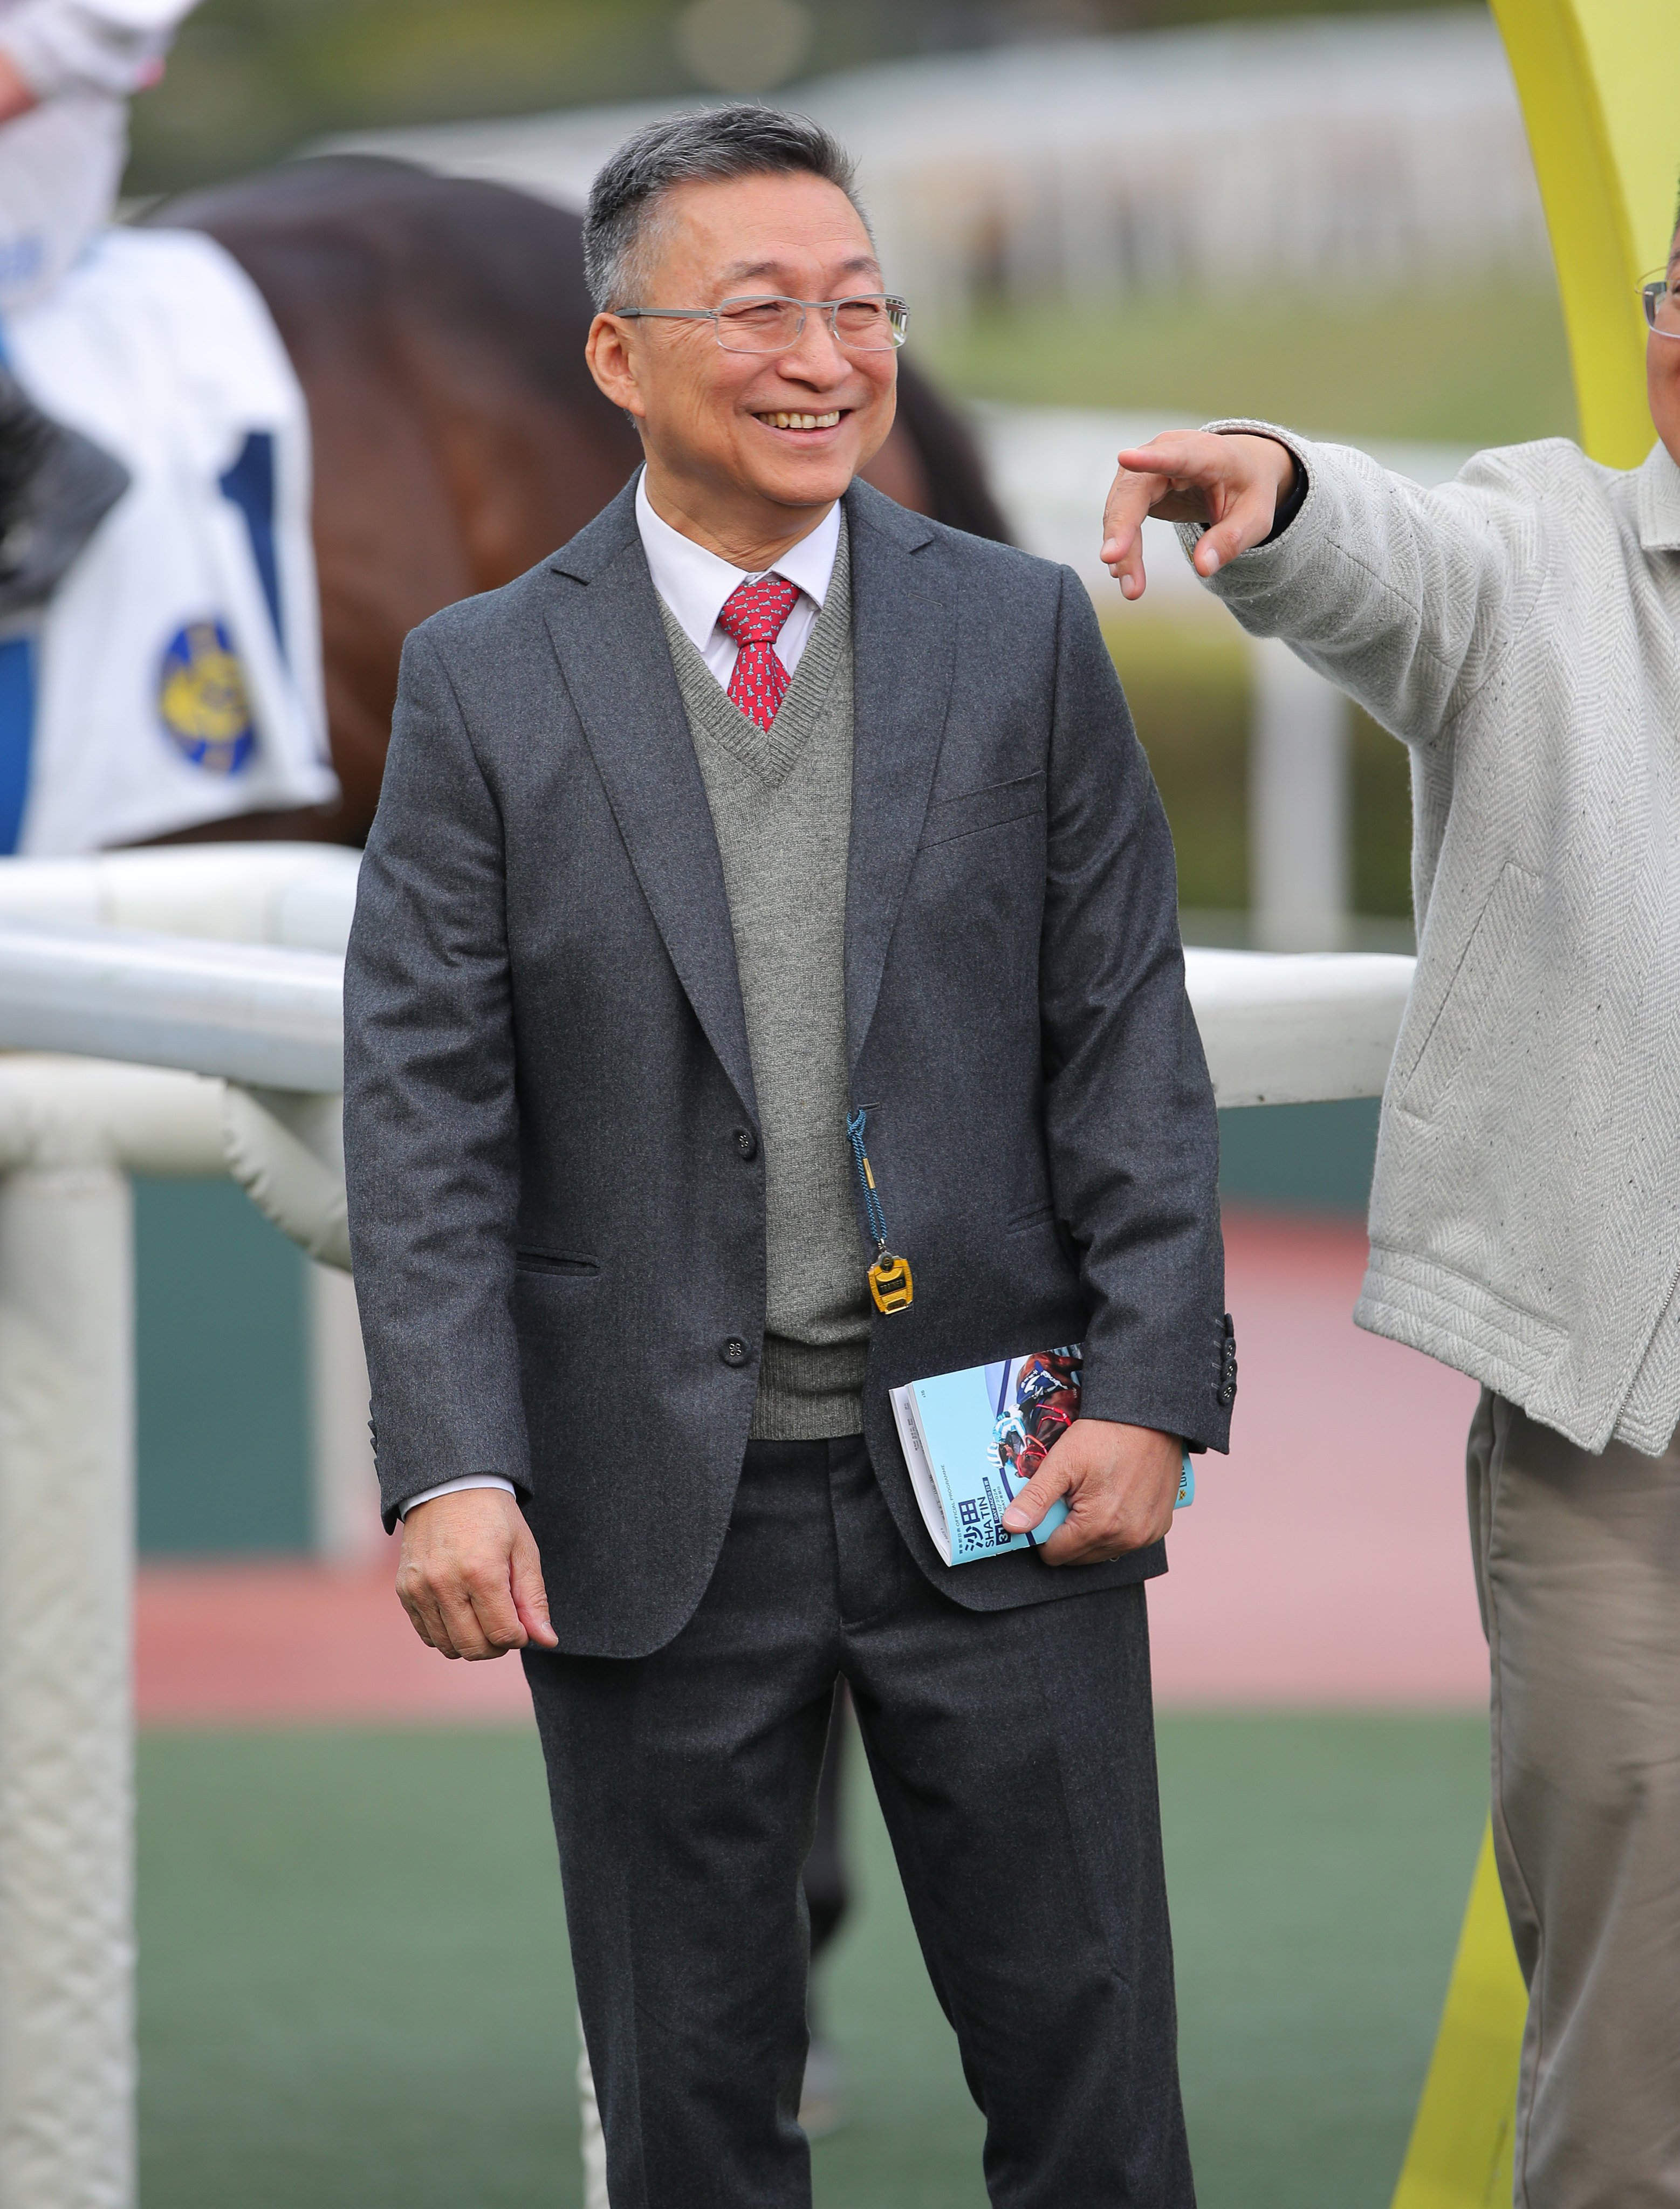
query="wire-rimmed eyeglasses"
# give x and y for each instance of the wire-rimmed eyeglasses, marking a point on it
(874, 322)
(1662, 305)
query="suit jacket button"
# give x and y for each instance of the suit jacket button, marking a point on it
(735, 1351)
(1227, 1394)
(746, 1142)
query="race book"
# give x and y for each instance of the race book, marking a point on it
(972, 1440)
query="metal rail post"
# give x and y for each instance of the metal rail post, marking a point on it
(69, 1131)
(67, 2065)
(1298, 811)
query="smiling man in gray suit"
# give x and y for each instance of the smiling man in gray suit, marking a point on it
(762, 803)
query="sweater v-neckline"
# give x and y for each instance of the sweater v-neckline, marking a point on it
(770, 752)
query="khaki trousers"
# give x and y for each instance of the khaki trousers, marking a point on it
(1578, 1572)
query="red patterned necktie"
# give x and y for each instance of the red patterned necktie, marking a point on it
(753, 615)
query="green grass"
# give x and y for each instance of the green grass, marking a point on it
(1319, 1867)
(354, 1985)
(1474, 364)
(354, 1991)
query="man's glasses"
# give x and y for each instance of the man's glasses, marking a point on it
(877, 322)
(1662, 305)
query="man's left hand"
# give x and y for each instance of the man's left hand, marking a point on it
(1120, 1483)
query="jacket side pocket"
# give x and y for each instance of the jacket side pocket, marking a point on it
(570, 1265)
(1469, 1001)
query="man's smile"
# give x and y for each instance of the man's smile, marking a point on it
(784, 419)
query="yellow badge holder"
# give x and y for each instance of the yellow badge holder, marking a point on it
(890, 1284)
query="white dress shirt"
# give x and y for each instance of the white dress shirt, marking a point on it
(695, 583)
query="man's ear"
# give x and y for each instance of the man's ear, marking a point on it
(607, 353)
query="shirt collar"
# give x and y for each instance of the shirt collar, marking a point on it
(694, 582)
(1659, 502)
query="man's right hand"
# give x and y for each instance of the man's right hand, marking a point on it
(470, 1578)
(1234, 484)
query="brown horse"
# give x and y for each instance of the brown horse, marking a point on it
(437, 325)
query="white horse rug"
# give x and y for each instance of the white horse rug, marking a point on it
(175, 678)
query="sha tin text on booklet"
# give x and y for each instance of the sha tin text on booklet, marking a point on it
(972, 1440)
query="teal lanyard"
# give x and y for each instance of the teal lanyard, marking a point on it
(872, 1211)
(889, 1280)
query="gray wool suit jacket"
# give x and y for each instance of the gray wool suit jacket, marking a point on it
(557, 1188)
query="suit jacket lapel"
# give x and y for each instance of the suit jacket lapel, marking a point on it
(604, 621)
(904, 634)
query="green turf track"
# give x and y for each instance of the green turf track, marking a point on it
(353, 1991)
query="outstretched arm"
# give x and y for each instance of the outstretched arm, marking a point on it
(1404, 597)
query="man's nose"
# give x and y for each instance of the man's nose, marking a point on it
(816, 357)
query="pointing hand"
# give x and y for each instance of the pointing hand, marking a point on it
(1234, 484)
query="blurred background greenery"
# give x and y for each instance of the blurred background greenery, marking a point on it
(252, 78)
(1190, 698)
(1464, 365)
(1469, 365)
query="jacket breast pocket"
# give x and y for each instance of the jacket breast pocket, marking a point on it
(1470, 1006)
(990, 808)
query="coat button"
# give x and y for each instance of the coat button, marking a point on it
(734, 1351)
(1227, 1394)
(746, 1142)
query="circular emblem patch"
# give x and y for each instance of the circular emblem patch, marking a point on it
(202, 700)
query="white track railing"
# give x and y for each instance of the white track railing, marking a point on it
(215, 974)
(243, 1011)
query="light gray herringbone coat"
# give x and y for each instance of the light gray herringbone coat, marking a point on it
(1519, 629)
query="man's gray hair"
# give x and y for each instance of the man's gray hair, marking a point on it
(705, 147)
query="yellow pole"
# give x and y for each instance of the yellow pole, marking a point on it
(1460, 2154)
(1596, 80)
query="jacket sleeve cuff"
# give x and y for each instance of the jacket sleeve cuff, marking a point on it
(1202, 1425)
(1196, 1407)
(453, 1487)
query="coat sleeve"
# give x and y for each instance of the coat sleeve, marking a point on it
(1406, 599)
(1132, 1134)
(430, 1114)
